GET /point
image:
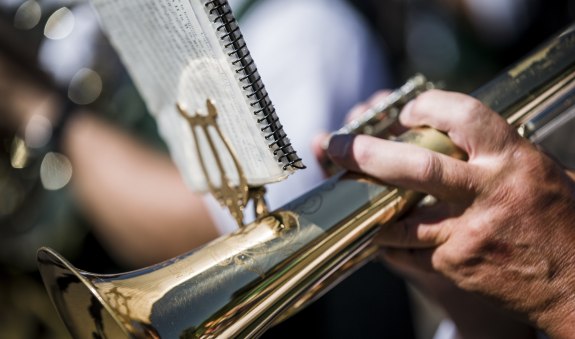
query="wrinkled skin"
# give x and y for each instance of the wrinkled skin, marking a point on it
(501, 237)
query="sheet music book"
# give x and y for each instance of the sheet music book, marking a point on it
(185, 52)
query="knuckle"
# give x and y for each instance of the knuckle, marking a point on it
(362, 151)
(420, 107)
(475, 232)
(429, 169)
(440, 263)
(422, 101)
(472, 105)
(471, 110)
(425, 234)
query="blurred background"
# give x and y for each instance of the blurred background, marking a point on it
(54, 49)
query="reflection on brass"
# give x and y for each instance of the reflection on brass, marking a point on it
(525, 64)
(240, 284)
(233, 197)
(19, 154)
(378, 119)
(550, 96)
(258, 196)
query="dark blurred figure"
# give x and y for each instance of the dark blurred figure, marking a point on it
(463, 43)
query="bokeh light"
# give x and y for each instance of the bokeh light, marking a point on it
(85, 87)
(55, 171)
(28, 15)
(60, 24)
(38, 131)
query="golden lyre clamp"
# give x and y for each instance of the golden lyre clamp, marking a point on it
(233, 197)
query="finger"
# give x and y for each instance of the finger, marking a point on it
(319, 145)
(464, 118)
(319, 149)
(405, 234)
(409, 261)
(403, 165)
(424, 228)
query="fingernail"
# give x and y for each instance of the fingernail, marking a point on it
(339, 145)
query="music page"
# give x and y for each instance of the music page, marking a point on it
(174, 56)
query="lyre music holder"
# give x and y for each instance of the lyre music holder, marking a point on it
(233, 197)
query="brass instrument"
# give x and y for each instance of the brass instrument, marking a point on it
(242, 283)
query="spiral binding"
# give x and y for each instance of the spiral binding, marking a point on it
(233, 42)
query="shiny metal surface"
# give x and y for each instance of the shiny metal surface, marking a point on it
(241, 284)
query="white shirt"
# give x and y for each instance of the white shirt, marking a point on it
(317, 59)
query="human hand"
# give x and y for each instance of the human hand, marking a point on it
(321, 140)
(503, 226)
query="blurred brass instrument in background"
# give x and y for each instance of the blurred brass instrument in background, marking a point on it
(242, 283)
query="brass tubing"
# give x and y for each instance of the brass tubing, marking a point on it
(242, 283)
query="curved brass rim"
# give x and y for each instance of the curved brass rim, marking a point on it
(48, 262)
